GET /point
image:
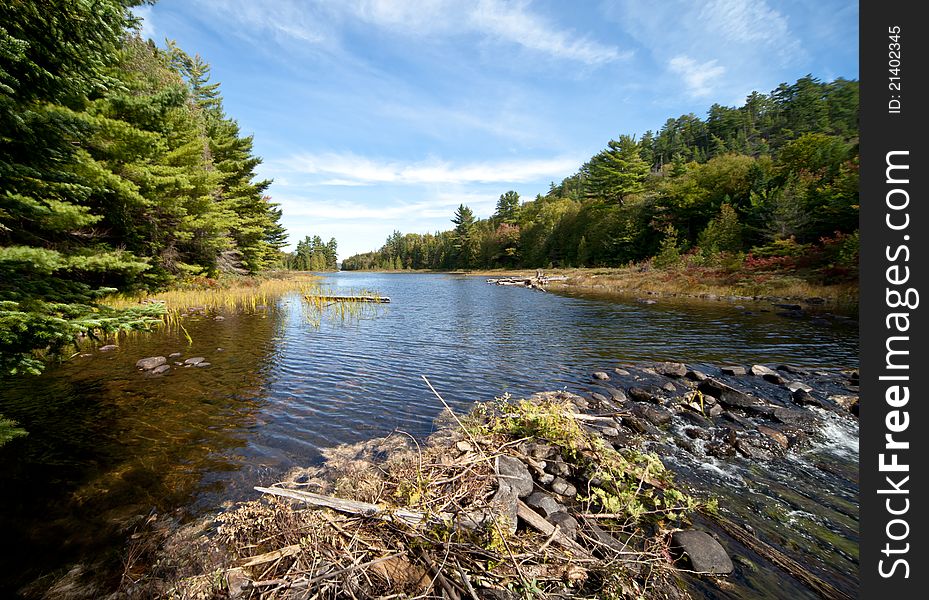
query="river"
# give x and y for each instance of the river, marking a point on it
(107, 443)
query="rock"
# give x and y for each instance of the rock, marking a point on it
(610, 432)
(463, 446)
(559, 467)
(147, 364)
(669, 387)
(617, 395)
(652, 394)
(203, 364)
(194, 360)
(854, 408)
(703, 553)
(775, 435)
(600, 375)
(646, 301)
(622, 372)
(563, 488)
(598, 397)
(219, 318)
(220, 349)
(566, 522)
(161, 369)
(697, 433)
(742, 422)
(804, 398)
(537, 450)
(544, 503)
(512, 473)
(720, 449)
(671, 369)
(800, 418)
(108, 348)
(793, 386)
(775, 378)
(846, 402)
(761, 370)
(714, 411)
(580, 403)
(696, 375)
(175, 355)
(758, 448)
(696, 418)
(789, 306)
(653, 414)
(728, 396)
(237, 583)
(791, 369)
(733, 370)
(640, 425)
(546, 478)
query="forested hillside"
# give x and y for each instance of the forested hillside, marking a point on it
(776, 178)
(119, 169)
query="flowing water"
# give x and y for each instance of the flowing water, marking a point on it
(108, 443)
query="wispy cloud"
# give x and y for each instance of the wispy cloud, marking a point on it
(500, 20)
(440, 206)
(352, 169)
(746, 21)
(697, 77)
(512, 22)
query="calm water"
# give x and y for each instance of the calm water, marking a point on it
(108, 443)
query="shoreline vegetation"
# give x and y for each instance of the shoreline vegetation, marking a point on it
(551, 496)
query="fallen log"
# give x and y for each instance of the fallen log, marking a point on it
(353, 507)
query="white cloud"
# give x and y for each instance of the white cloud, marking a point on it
(698, 78)
(352, 169)
(147, 30)
(510, 21)
(745, 21)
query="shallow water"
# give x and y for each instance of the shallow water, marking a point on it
(108, 443)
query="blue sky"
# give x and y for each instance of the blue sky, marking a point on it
(376, 115)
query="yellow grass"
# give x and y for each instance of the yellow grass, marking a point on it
(691, 283)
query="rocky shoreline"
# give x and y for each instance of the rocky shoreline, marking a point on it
(573, 485)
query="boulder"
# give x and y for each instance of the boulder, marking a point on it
(761, 370)
(728, 396)
(671, 369)
(733, 370)
(161, 369)
(544, 503)
(147, 364)
(696, 375)
(774, 434)
(566, 522)
(669, 387)
(793, 386)
(703, 553)
(600, 375)
(513, 474)
(650, 394)
(194, 360)
(563, 488)
(653, 414)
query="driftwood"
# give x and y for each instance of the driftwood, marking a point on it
(537, 522)
(537, 283)
(353, 507)
(323, 298)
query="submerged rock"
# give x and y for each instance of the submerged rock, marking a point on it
(161, 369)
(600, 375)
(704, 554)
(147, 364)
(194, 360)
(108, 348)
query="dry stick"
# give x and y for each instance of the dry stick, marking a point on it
(329, 575)
(519, 571)
(467, 582)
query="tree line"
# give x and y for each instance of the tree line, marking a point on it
(119, 170)
(777, 176)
